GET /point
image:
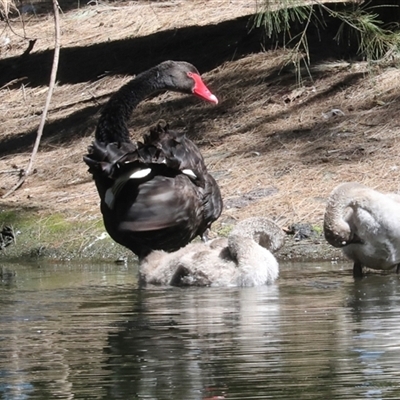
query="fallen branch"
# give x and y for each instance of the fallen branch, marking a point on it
(52, 82)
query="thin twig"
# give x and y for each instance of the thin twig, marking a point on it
(10, 27)
(13, 82)
(47, 104)
(13, 171)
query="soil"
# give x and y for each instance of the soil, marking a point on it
(276, 145)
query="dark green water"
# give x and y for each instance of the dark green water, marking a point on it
(70, 331)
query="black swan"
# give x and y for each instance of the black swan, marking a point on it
(243, 259)
(365, 224)
(156, 194)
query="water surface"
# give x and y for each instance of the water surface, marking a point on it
(80, 331)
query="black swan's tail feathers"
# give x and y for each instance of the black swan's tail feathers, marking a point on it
(179, 152)
(106, 159)
(161, 150)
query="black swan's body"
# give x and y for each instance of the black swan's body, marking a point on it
(156, 194)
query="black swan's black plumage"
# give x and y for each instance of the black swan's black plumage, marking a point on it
(155, 194)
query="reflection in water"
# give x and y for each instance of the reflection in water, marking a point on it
(89, 332)
(183, 342)
(375, 320)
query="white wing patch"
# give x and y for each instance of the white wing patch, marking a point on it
(189, 173)
(140, 174)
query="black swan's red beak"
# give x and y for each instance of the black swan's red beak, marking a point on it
(201, 90)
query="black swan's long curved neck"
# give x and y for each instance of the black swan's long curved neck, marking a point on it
(112, 125)
(178, 76)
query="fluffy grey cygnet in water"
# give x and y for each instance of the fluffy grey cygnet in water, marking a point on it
(365, 224)
(243, 259)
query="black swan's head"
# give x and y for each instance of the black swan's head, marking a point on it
(181, 76)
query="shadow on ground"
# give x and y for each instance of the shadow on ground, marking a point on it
(207, 47)
(204, 46)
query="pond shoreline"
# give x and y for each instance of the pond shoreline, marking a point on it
(54, 237)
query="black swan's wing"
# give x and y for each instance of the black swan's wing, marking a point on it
(160, 203)
(163, 213)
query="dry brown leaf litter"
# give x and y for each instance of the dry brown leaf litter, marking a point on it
(264, 137)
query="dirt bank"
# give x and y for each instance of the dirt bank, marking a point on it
(276, 148)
